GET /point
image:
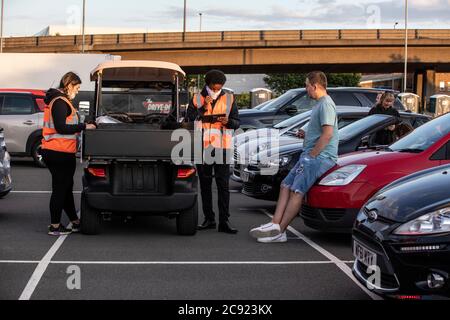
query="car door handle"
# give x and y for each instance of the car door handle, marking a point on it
(29, 123)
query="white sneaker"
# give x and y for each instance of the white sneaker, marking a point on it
(266, 230)
(279, 238)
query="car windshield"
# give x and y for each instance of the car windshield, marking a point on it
(425, 136)
(137, 101)
(360, 126)
(262, 105)
(281, 100)
(293, 120)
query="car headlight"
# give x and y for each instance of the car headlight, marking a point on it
(282, 161)
(343, 176)
(262, 147)
(7, 161)
(431, 223)
(2, 140)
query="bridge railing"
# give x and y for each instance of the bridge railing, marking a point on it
(227, 36)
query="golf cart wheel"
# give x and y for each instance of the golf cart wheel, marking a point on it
(187, 221)
(90, 218)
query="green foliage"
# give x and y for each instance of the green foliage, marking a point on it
(280, 82)
(192, 82)
(243, 100)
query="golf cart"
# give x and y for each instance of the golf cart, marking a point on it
(130, 169)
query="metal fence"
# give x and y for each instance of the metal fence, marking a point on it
(227, 36)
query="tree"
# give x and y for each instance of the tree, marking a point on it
(282, 82)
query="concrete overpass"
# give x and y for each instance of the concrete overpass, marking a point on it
(276, 51)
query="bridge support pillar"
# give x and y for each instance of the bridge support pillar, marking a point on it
(425, 85)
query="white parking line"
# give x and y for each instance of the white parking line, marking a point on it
(40, 269)
(18, 262)
(339, 263)
(191, 262)
(169, 262)
(38, 192)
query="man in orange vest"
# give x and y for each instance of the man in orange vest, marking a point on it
(215, 112)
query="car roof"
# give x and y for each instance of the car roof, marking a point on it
(138, 70)
(348, 109)
(359, 89)
(35, 92)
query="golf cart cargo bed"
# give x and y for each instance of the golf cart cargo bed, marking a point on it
(130, 143)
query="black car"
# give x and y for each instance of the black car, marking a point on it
(5, 167)
(357, 131)
(295, 101)
(401, 236)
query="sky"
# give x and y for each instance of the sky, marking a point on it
(28, 17)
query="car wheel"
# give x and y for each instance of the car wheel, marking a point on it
(90, 218)
(4, 194)
(36, 154)
(187, 221)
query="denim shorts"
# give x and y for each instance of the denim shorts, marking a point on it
(305, 173)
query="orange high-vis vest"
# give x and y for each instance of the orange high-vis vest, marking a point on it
(215, 134)
(52, 140)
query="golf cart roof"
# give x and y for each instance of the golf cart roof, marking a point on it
(135, 70)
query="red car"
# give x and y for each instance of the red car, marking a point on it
(334, 202)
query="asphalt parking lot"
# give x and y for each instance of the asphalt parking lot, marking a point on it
(146, 259)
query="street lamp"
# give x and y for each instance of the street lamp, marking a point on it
(1, 28)
(184, 18)
(406, 47)
(200, 14)
(83, 26)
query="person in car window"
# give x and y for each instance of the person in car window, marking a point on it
(319, 156)
(387, 135)
(59, 146)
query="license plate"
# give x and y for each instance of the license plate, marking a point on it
(364, 255)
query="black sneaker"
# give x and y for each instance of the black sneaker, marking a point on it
(60, 231)
(76, 227)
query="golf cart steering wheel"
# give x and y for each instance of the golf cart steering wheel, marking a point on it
(155, 118)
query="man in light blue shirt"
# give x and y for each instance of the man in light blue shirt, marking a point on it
(320, 155)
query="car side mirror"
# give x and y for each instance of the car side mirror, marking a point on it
(291, 110)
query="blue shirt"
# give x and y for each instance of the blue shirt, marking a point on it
(323, 113)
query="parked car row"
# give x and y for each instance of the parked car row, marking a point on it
(394, 199)
(296, 101)
(5, 167)
(356, 132)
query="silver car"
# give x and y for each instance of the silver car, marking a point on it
(5, 168)
(22, 117)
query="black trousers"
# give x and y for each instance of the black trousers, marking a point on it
(222, 175)
(62, 167)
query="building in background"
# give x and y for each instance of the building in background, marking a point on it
(244, 83)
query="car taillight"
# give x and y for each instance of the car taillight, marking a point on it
(41, 104)
(97, 172)
(407, 297)
(184, 173)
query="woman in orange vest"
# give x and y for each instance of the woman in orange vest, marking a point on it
(59, 146)
(216, 113)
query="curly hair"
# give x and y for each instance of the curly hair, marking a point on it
(215, 77)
